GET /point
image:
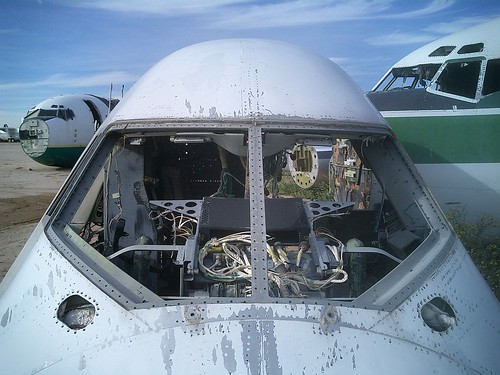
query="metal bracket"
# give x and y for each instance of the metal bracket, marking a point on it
(191, 208)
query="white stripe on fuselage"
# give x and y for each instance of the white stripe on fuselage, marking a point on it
(442, 112)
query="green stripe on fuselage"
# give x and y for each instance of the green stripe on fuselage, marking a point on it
(449, 139)
(60, 156)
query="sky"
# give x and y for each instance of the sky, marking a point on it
(56, 47)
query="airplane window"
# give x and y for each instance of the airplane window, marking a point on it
(354, 225)
(384, 83)
(64, 113)
(460, 78)
(442, 51)
(471, 48)
(415, 77)
(173, 212)
(492, 77)
(46, 113)
(403, 82)
(149, 192)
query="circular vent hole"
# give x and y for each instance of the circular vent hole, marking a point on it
(76, 312)
(438, 314)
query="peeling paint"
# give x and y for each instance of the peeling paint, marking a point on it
(163, 319)
(137, 329)
(212, 112)
(58, 271)
(50, 283)
(83, 363)
(192, 314)
(214, 355)
(252, 346)
(167, 349)
(228, 354)
(329, 319)
(6, 317)
(271, 357)
(217, 335)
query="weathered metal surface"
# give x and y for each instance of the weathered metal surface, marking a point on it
(126, 327)
(234, 79)
(242, 338)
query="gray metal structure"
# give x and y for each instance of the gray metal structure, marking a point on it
(179, 244)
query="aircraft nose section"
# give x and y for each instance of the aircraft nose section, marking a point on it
(34, 137)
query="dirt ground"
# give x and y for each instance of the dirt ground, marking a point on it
(26, 190)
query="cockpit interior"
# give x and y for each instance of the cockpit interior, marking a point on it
(175, 211)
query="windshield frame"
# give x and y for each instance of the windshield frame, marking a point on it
(131, 294)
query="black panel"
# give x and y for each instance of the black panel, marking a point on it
(414, 99)
(286, 219)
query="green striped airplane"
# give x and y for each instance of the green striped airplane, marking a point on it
(443, 103)
(56, 131)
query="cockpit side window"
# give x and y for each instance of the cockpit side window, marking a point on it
(492, 77)
(459, 78)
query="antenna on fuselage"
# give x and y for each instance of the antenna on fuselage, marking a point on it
(110, 97)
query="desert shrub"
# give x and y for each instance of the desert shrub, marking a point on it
(483, 247)
(287, 187)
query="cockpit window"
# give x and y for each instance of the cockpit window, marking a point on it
(353, 223)
(471, 48)
(177, 213)
(62, 113)
(148, 211)
(414, 77)
(442, 51)
(459, 78)
(492, 77)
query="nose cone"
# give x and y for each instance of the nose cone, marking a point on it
(246, 78)
(34, 137)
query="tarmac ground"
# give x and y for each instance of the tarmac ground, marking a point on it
(26, 190)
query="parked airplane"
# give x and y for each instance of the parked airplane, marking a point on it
(56, 131)
(180, 245)
(9, 134)
(4, 137)
(443, 102)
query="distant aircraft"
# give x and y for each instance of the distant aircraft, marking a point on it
(179, 244)
(443, 102)
(9, 134)
(56, 131)
(4, 137)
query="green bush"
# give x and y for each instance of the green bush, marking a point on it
(483, 248)
(287, 187)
